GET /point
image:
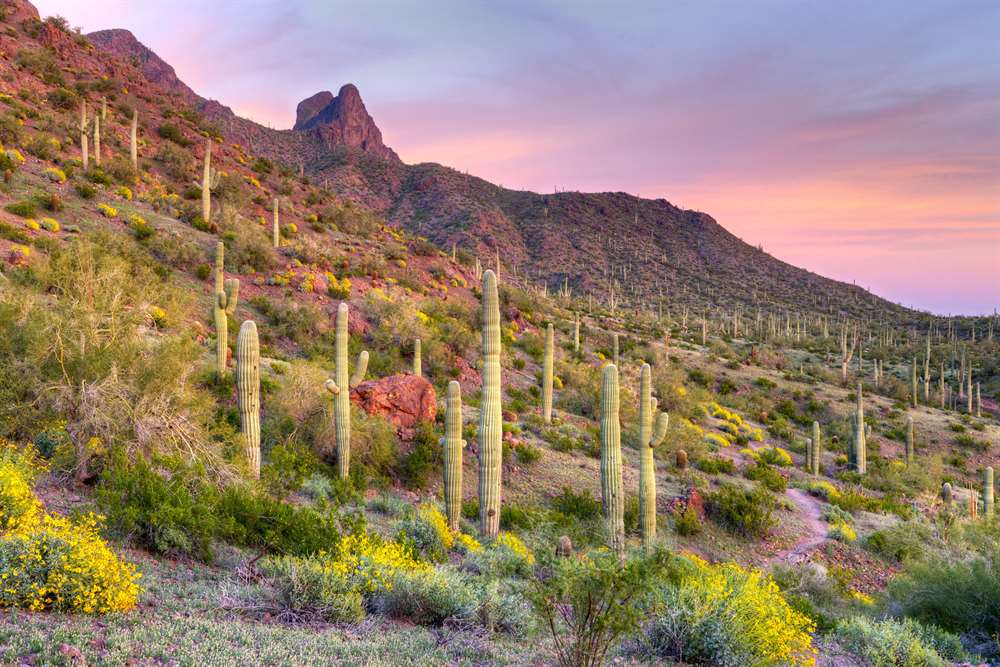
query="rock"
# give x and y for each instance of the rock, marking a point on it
(341, 120)
(405, 400)
(565, 547)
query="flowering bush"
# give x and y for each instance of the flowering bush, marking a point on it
(841, 532)
(338, 289)
(19, 508)
(506, 556)
(51, 224)
(107, 211)
(10, 159)
(824, 490)
(725, 615)
(429, 534)
(32, 224)
(124, 192)
(775, 456)
(717, 440)
(55, 174)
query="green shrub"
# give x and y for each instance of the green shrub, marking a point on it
(589, 603)
(900, 543)
(581, 505)
(687, 522)
(173, 133)
(714, 465)
(427, 597)
(745, 512)
(890, 643)
(308, 586)
(424, 459)
(85, 190)
(25, 208)
(769, 477)
(167, 509)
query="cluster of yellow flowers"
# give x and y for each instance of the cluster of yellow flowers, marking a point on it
(449, 539)
(753, 606)
(842, 532)
(824, 490)
(338, 289)
(513, 543)
(717, 439)
(720, 412)
(369, 562)
(107, 211)
(55, 174)
(51, 562)
(124, 192)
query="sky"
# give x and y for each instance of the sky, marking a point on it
(860, 140)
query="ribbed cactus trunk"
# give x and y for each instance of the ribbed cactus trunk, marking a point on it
(817, 449)
(946, 495)
(614, 349)
(452, 444)
(97, 140)
(84, 146)
(248, 391)
(913, 382)
(418, 367)
(275, 235)
(134, 139)
(224, 304)
(648, 440)
(860, 446)
(547, 375)
(612, 491)
(340, 387)
(206, 183)
(809, 453)
(910, 451)
(576, 333)
(490, 418)
(988, 492)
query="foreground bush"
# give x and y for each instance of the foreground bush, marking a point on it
(746, 512)
(727, 616)
(888, 643)
(588, 603)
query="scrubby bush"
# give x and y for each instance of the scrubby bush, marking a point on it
(900, 543)
(746, 512)
(312, 586)
(427, 596)
(505, 556)
(770, 478)
(588, 603)
(727, 616)
(889, 643)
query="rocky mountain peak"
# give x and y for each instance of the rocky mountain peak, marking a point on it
(123, 43)
(341, 120)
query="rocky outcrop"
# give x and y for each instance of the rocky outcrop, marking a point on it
(405, 400)
(341, 121)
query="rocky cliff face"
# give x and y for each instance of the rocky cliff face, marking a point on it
(124, 44)
(341, 121)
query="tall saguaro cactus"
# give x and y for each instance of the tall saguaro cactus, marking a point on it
(134, 139)
(817, 449)
(248, 391)
(340, 386)
(418, 364)
(452, 444)
(913, 382)
(614, 349)
(84, 152)
(97, 140)
(207, 178)
(224, 304)
(649, 437)
(612, 490)
(547, 375)
(275, 235)
(988, 504)
(576, 333)
(860, 453)
(490, 417)
(910, 450)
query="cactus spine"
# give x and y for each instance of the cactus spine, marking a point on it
(275, 235)
(547, 375)
(248, 391)
(418, 368)
(490, 418)
(452, 445)
(340, 387)
(988, 492)
(612, 492)
(648, 440)
(817, 449)
(224, 304)
(909, 440)
(84, 153)
(134, 139)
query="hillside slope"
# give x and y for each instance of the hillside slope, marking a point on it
(647, 250)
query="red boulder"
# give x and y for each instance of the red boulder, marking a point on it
(405, 400)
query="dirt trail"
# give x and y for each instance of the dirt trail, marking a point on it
(809, 509)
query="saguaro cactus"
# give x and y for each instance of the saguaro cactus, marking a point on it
(817, 449)
(860, 454)
(490, 418)
(576, 333)
(913, 382)
(207, 181)
(84, 152)
(452, 444)
(547, 375)
(909, 439)
(134, 139)
(340, 387)
(97, 140)
(248, 391)
(649, 438)
(275, 235)
(224, 304)
(612, 491)
(614, 348)
(988, 492)
(418, 368)
(946, 494)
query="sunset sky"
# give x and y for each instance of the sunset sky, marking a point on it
(859, 140)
